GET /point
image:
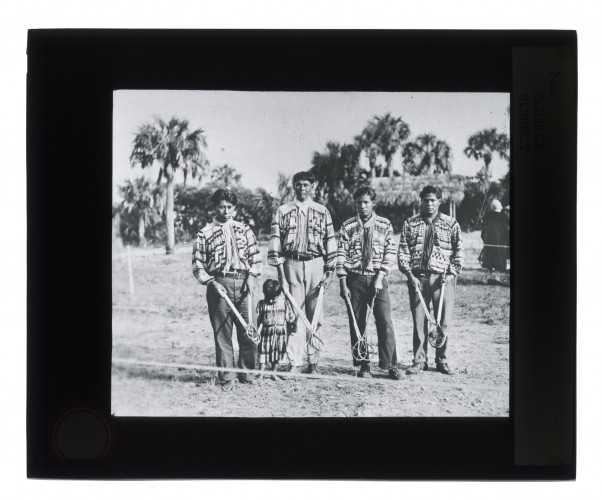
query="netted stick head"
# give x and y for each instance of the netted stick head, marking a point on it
(313, 345)
(362, 350)
(437, 337)
(253, 334)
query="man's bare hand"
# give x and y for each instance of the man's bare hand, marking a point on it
(414, 282)
(377, 284)
(218, 288)
(344, 292)
(250, 285)
(325, 280)
(444, 279)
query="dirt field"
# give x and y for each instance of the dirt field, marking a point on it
(166, 321)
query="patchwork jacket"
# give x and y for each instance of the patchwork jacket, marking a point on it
(320, 234)
(209, 251)
(447, 254)
(349, 255)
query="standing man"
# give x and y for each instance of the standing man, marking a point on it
(226, 258)
(303, 248)
(430, 253)
(366, 254)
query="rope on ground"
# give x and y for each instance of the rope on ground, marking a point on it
(238, 370)
(142, 309)
(421, 381)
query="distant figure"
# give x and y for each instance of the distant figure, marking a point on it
(495, 243)
(276, 321)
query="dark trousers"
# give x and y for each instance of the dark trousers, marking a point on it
(431, 292)
(222, 319)
(361, 297)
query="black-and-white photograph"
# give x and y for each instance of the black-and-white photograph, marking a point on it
(310, 254)
(356, 257)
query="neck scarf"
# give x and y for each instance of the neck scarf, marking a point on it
(366, 240)
(429, 241)
(232, 260)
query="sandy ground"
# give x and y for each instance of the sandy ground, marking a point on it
(166, 321)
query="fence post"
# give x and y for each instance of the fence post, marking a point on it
(130, 271)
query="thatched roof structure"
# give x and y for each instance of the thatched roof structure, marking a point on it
(405, 190)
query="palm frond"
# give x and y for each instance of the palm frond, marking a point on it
(427, 155)
(171, 144)
(382, 137)
(405, 192)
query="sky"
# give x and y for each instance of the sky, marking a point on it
(263, 133)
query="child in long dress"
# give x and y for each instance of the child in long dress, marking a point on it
(276, 322)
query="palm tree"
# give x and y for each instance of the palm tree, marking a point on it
(225, 176)
(173, 146)
(427, 155)
(383, 135)
(264, 207)
(140, 202)
(337, 174)
(285, 187)
(366, 142)
(336, 170)
(482, 145)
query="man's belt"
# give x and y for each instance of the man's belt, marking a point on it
(300, 257)
(419, 273)
(363, 274)
(230, 274)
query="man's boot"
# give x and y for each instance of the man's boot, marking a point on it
(313, 368)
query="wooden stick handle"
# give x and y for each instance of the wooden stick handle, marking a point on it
(250, 308)
(370, 310)
(426, 310)
(357, 328)
(441, 295)
(299, 311)
(318, 309)
(234, 310)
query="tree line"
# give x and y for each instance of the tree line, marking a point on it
(164, 211)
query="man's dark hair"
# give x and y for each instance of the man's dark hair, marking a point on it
(303, 176)
(363, 191)
(224, 194)
(431, 190)
(271, 288)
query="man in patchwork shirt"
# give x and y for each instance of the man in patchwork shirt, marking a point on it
(226, 258)
(303, 248)
(430, 253)
(366, 255)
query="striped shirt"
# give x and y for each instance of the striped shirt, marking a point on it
(318, 234)
(350, 248)
(447, 252)
(301, 243)
(210, 253)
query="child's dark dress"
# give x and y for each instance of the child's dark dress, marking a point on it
(277, 319)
